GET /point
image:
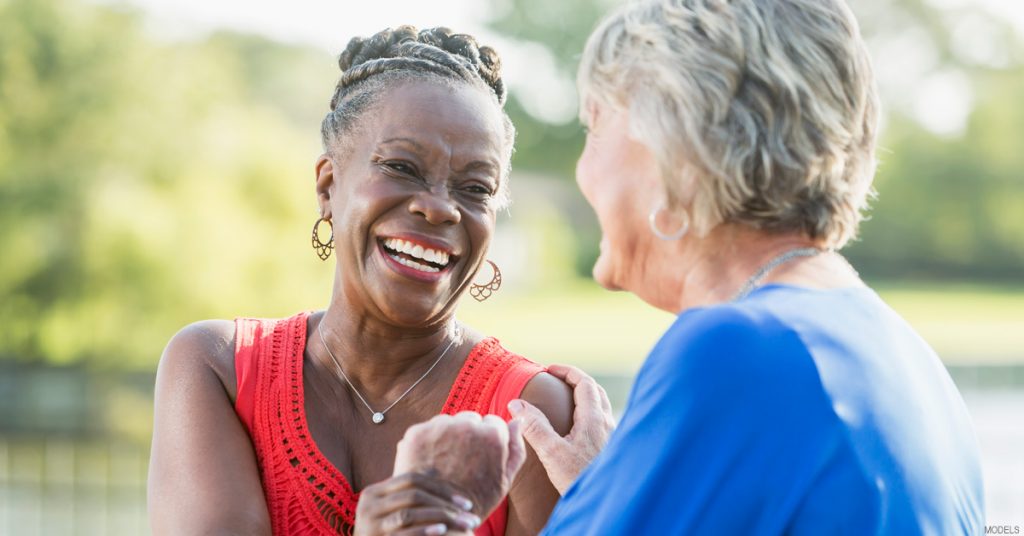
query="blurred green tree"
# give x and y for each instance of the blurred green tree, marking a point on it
(952, 208)
(144, 185)
(950, 205)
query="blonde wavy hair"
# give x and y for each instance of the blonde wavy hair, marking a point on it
(762, 112)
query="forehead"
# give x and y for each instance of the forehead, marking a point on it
(456, 117)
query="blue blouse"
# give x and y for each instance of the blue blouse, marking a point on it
(793, 411)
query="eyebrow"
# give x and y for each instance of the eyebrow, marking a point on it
(409, 141)
(481, 165)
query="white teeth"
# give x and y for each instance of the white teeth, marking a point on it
(416, 250)
(415, 265)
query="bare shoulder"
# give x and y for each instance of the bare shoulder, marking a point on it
(200, 347)
(553, 397)
(203, 474)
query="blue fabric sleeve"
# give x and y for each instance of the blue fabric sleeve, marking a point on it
(726, 430)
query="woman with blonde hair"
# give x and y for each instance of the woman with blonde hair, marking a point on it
(730, 155)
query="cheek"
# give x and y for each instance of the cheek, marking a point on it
(479, 228)
(604, 192)
(585, 170)
(358, 206)
(598, 179)
(617, 230)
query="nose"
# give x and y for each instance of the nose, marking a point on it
(436, 206)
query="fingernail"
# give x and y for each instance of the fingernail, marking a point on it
(436, 530)
(515, 406)
(468, 521)
(463, 502)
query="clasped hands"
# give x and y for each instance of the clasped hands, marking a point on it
(453, 470)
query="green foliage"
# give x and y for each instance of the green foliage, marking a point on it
(561, 28)
(146, 185)
(543, 147)
(950, 208)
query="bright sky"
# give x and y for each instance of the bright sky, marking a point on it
(327, 24)
(940, 99)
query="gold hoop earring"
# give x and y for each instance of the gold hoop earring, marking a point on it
(482, 292)
(323, 250)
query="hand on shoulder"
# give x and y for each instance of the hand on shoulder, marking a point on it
(566, 449)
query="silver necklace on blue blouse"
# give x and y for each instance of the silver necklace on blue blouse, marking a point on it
(755, 280)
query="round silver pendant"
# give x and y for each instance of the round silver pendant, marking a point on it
(378, 418)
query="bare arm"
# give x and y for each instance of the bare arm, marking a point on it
(203, 477)
(533, 496)
(566, 456)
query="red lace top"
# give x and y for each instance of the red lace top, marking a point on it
(305, 493)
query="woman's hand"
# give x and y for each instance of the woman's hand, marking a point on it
(479, 455)
(413, 504)
(564, 458)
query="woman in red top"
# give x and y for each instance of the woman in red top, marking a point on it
(280, 426)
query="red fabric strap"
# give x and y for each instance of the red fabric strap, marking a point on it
(247, 330)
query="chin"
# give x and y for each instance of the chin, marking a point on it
(413, 315)
(409, 308)
(603, 274)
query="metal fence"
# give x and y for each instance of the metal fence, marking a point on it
(73, 487)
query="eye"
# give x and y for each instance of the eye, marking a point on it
(401, 167)
(478, 188)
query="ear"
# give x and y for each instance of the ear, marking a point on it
(324, 180)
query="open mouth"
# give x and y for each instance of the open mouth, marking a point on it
(416, 256)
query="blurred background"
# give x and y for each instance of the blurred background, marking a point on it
(156, 168)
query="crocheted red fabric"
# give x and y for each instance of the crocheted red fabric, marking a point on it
(305, 493)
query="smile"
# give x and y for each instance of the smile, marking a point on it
(416, 256)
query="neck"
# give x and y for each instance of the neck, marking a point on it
(712, 269)
(381, 359)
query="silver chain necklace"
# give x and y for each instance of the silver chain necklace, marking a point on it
(378, 416)
(755, 279)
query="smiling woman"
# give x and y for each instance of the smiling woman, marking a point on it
(290, 426)
(448, 177)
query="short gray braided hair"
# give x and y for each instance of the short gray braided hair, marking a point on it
(372, 66)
